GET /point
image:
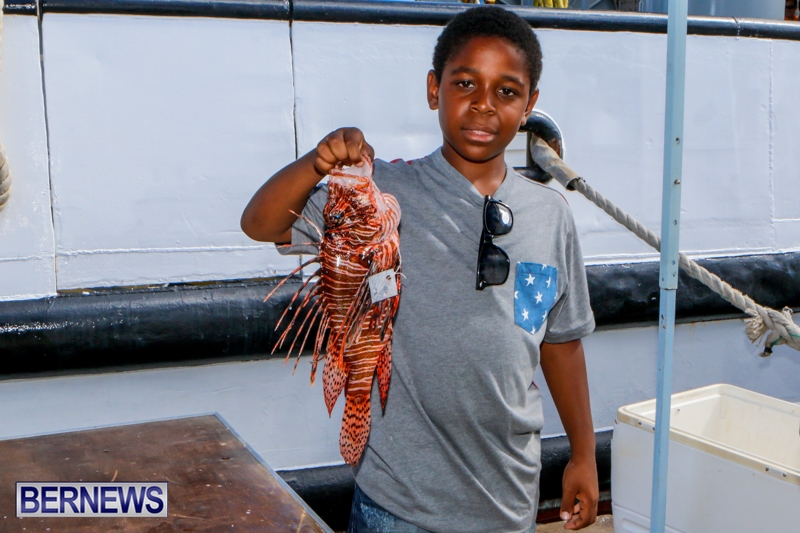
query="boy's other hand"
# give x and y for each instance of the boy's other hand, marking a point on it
(345, 146)
(580, 493)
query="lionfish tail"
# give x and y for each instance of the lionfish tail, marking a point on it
(355, 428)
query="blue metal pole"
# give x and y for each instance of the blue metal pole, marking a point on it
(670, 230)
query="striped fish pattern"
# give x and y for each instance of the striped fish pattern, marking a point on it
(360, 240)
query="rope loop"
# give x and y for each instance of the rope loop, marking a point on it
(5, 178)
(778, 325)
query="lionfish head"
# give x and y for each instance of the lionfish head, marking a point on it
(355, 208)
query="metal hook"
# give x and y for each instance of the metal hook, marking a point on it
(543, 126)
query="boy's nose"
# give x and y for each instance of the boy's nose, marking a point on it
(483, 102)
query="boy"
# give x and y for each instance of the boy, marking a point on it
(457, 448)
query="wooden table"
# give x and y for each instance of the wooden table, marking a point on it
(214, 483)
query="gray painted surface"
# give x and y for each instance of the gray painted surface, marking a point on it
(27, 253)
(155, 148)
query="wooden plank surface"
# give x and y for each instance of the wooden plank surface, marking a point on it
(214, 482)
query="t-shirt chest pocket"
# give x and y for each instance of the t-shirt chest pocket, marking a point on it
(535, 291)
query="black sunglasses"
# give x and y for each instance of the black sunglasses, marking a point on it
(493, 262)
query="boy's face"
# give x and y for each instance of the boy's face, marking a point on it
(482, 99)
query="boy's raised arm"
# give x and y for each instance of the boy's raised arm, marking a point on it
(268, 217)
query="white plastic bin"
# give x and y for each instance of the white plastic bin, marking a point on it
(734, 463)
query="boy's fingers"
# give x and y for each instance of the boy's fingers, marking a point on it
(567, 505)
(575, 520)
(574, 515)
(369, 150)
(325, 160)
(354, 152)
(583, 515)
(354, 139)
(591, 513)
(338, 148)
(344, 146)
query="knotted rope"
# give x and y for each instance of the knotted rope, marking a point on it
(778, 325)
(5, 173)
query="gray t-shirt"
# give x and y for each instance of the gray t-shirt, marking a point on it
(457, 449)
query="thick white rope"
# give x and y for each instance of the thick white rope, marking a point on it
(779, 325)
(5, 173)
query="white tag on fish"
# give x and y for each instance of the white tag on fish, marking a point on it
(382, 285)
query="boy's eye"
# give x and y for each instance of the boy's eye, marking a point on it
(506, 91)
(464, 83)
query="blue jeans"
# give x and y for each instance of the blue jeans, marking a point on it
(366, 516)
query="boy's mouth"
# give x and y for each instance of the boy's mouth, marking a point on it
(479, 133)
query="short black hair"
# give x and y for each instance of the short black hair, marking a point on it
(488, 21)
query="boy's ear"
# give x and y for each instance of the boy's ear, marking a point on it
(531, 102)
(433, 91)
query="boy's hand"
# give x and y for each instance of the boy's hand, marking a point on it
(345, 146)
(271, 212)
(580, 493)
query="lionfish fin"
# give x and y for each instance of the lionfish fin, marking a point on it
(355, 427)
(290, 244)
(308, 299)
(311, 310)
(334, 378)
(384, 372)
(317, 313)
(318, 344)
(294, 298)
(359, 307)
(309, 222)
(314, 259)
(288, 328)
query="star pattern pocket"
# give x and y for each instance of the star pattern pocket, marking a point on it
(535, 290)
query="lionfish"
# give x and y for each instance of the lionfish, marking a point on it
(360, 241)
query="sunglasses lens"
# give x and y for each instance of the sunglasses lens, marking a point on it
(493, 262)
(497, 218)
(494, 265)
